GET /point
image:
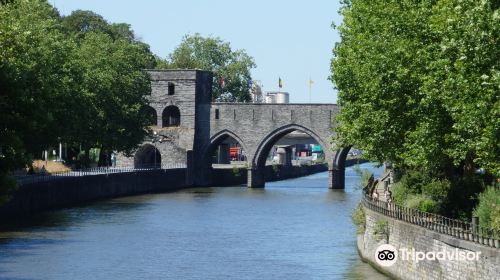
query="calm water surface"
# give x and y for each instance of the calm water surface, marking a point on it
(294, 229)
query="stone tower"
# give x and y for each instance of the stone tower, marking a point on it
(179, 106)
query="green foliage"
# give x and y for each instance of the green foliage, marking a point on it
(213, 54)
(77, 80)
(488, 209)
(411, 183)
(365, 175)
(112, 92)
(453, 198)
(421, 202)
(418, 83)
(463, 197)
(7, 187)
(381, 229)
(437, 190)
(359, 219)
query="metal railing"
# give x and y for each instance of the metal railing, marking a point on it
(44, 177)
(455, 228)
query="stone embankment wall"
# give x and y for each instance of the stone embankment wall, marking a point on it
(401, 234)
(69, 191)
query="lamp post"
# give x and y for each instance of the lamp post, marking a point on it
(154, 139)
(154, 143)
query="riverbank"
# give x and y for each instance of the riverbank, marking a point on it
(403, 230)
(32, 198)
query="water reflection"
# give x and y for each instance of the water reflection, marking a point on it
(293, 229)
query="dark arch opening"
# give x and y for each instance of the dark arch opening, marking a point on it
(210, 156)
(256, 176)
(147, 156)
(171, 116)
(227, 150)
(150, 114)
(266, 151)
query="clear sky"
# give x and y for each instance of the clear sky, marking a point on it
(288, 39)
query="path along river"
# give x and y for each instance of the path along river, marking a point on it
(293, 229)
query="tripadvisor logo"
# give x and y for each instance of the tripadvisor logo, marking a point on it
(387, 255)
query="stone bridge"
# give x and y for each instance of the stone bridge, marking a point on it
(189, 128)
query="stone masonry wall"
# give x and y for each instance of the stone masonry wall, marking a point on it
(253, 122)
(68, 191)
(406, 235)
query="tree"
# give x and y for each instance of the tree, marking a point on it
(115, 87)
(418, 83)
(78, 80)
(33, 55)
(113, 84)
(213, 54)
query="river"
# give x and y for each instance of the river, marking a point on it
(293, 229)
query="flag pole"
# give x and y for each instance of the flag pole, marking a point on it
(310, 86)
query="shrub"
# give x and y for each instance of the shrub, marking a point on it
(410, 183)
(359, 219)
(436, 192)
(463, 197)
(400, 193)
(414, 180)
(421, 202)
(381, 230)
(488, 209)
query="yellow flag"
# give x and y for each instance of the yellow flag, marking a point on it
(310, 83)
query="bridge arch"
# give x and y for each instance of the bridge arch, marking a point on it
(271, 138)
(257, 168)
(222, 135)
(207, 152)
(147, 156)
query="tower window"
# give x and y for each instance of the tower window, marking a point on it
(171, 88)
(171, 116)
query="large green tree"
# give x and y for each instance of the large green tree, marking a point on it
(418, 82)
(33, 71)
(77, 80)
(113, 84)
(213, 54)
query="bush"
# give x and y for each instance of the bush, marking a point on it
(400, 193)
(488, 209)
(411, 183)
(436, 192)
(381, 230)
(359, 219)
(414, 180)
(463, 197)
(421, 202)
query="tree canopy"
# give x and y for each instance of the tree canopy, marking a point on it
(213, 54)
(419, 82)
(76, 79)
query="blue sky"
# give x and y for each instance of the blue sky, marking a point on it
(288, 39)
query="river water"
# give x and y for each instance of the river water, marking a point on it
(293, 229)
